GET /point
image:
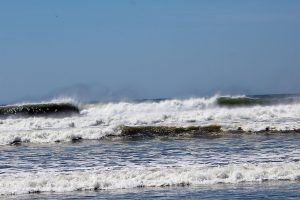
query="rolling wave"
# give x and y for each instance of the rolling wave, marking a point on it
(241, 101)
(46, 109)
(257, 100)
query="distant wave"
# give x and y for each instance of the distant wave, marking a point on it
(241, 101)
(44, 109)
(134, 177)
(257, 100)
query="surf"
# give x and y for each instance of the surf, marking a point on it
(141, 177)
(67, 122)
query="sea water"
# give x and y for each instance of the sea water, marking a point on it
(85, 156)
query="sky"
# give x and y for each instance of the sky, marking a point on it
(138, 49)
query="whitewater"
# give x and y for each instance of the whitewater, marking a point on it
(96, 121)
(232, 141)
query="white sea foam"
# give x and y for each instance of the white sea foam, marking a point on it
(97, 120)
(105, 179)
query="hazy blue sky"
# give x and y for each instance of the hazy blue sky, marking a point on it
(148, 49)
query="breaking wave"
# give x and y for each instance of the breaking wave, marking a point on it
(96, 121)
(105, 179)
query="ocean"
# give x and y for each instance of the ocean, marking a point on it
(215, 147)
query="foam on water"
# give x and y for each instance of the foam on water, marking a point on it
(97, 120)
(103, 179)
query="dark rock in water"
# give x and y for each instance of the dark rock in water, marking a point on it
(34, 192)
(76, 139)
(240, 129)
(39, 109)
(16, 141)
(297, 130)
(96, 186)
(191, 121)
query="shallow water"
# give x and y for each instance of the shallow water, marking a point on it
(165, 151)
(187, 166)
(279, 190)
